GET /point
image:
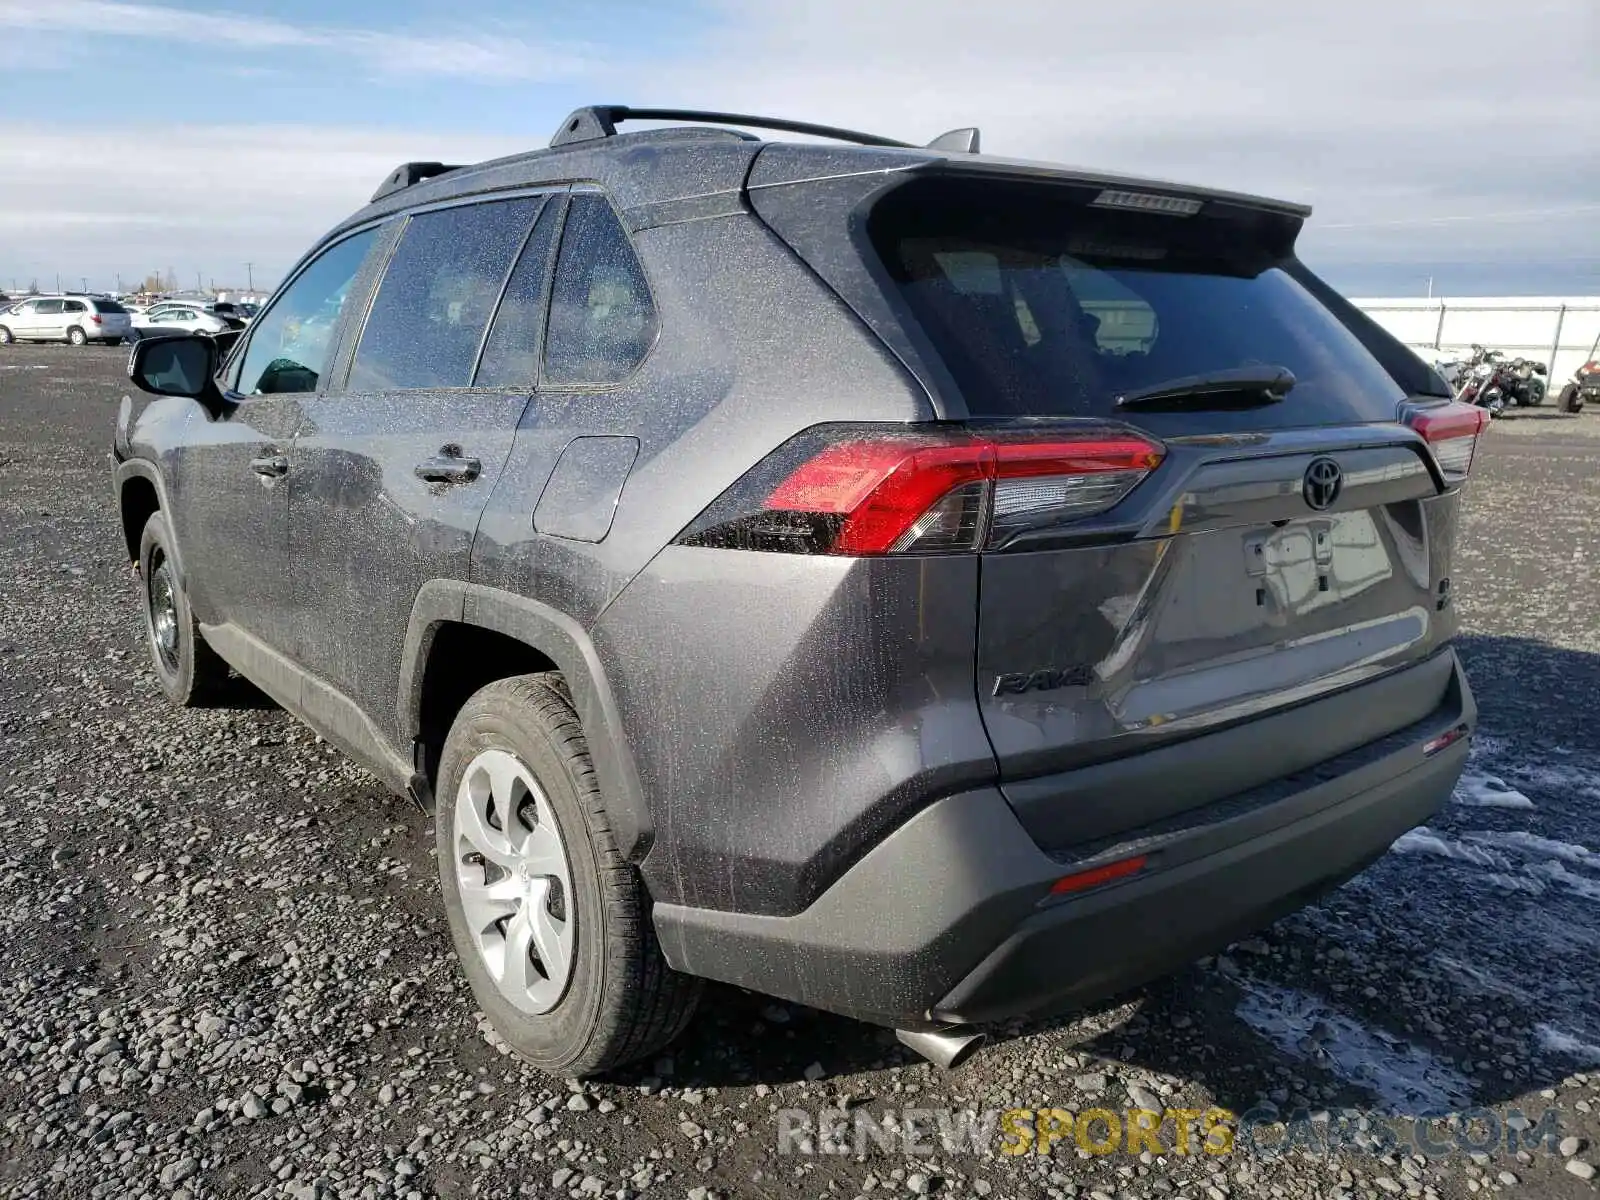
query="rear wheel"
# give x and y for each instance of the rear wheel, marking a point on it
(189, 671)
(76, 336)
(550, 923)
(1536, 390)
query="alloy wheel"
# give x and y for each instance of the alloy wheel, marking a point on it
(515, 882)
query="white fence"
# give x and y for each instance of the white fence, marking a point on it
(1561, 332)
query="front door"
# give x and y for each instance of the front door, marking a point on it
(391, 472)
(231, 514)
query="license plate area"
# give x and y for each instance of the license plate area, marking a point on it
(1300, 566)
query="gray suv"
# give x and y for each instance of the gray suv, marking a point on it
(930, 587)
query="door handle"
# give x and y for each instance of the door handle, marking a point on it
(446, 467)
(272, 466)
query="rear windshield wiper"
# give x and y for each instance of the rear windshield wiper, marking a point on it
(1237, 387)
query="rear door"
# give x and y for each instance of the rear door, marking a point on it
(49, 319)
(1282, 548)
(392, 470)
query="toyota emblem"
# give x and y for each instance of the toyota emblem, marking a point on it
(1324, 481)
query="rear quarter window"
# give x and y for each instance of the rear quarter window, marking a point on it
(602, 319)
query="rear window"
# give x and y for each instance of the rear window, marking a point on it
(108, 306)
(439, 294)
(1041, 305)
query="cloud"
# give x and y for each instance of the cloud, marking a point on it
(1425, 132)
(1378, 113)
(496, 57)
(194, 198)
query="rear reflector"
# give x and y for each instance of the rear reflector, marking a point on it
(1452, 431)
(1429, 749)
(862, 491)
(1095, 876)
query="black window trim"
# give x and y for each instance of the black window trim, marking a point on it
(402, 221)
(650, 294)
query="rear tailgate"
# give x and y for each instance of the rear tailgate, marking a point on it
(1280, 552)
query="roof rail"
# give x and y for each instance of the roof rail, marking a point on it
(598, 121)
(407, 174)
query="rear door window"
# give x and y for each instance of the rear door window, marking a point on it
(438, 296)
(1041, 304)
(602, 320)
(511, 353)
(74, 306)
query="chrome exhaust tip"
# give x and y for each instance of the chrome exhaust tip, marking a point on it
(948, 1047)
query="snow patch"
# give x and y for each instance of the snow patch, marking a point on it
(1580, 885)
(1558, 777)
(1423, 840)
(1567, 852)
(1558, 1041)
(1401, 1075)
(1477, 789)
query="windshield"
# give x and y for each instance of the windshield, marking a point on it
(1041, 305)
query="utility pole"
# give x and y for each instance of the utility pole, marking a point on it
(249, 278)
(58, 281)
(1430, 287)
(84, 279)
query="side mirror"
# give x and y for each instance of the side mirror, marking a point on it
(175, 366)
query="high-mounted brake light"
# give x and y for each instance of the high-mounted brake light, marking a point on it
(1451, 431)
(855, 491)
(1172, 206)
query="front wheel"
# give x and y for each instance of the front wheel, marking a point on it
(551, 924)
(188, 670)
(1571, 398)
(6, 336)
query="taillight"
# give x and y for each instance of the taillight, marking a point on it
(95, 317)
(866, 491)
(1451, 431)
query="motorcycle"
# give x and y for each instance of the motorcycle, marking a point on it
(1584, 388)
(1484, 380)
(1524, 382)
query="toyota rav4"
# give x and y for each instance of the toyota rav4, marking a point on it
(931, 587)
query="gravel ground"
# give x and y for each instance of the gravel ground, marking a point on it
(225, 974)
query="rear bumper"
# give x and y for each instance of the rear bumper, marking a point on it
(949, 917)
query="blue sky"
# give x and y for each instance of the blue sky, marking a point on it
(143, 136)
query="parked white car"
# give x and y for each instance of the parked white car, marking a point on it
(75, 319)
(178, 318)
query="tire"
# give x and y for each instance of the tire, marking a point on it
(77, 337)
(1571, 398)
(188, 670)
(1536, 392)
(6, 336)
(613, 999)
